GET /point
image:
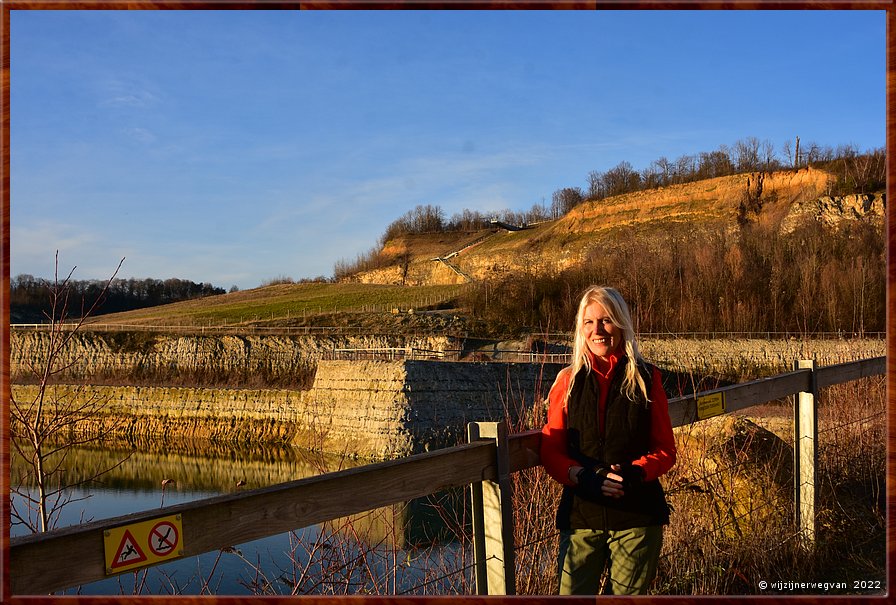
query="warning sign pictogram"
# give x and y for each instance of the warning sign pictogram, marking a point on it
(144, 543)
(163, 538)
(128, 553)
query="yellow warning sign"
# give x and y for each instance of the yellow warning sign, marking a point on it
(710, 405)
(141, 544)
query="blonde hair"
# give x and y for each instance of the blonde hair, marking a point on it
(611, 300)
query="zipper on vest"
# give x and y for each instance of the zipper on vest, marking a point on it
(602, 418)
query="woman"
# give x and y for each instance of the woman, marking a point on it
(607, 439)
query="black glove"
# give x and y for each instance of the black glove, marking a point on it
(632, 475)
(590, 482)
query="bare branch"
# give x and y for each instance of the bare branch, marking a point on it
(46, 428)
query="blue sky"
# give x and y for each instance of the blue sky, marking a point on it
(232, 147)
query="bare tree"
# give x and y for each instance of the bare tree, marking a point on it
(404, 263)
(537, 213)
(747, 154)
(789, 153)
(596, 189)
(816, 153)
(467, 220)
(665, 169)
(621, 179)
(685, 167)
(715, 163)
(422, 219)
(860, 172)
(564, 200)
(651, 177)
(767, 156)
(44, 430)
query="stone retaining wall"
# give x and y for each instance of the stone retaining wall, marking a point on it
(395, 409)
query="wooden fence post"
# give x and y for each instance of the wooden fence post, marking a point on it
(493, 552)
(805, 455)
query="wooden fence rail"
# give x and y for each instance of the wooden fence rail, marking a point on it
(46, 562)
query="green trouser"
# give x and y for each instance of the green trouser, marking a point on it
(632, 555)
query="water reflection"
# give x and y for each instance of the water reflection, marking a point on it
(194, 465)
(194, 470)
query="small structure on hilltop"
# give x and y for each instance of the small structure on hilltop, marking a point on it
(508, 226)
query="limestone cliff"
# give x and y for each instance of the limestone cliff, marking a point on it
(357, 409)
(237, 360)
(834, 210)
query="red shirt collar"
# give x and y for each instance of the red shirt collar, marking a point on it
(605, 367)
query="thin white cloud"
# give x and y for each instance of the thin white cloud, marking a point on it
(460, 181)
(218, 264)
(127, 93)
(141, 135)
(32, 240)
(35, 245)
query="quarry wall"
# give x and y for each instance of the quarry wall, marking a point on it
(366, 409)
(148, 354)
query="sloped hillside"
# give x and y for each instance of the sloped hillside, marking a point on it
(567, 241)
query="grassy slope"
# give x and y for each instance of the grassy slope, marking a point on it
(283, 301)
(566, 241)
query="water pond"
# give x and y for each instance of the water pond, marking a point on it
(399, 549)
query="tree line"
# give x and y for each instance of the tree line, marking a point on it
(855, 172)
(684, 279)
(426, 218)
(30, 297)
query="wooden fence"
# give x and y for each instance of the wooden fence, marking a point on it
(43, 563)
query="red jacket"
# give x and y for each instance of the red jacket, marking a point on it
(554, 456)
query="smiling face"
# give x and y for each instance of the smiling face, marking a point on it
(601, 335)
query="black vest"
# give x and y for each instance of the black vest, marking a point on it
(626, 438)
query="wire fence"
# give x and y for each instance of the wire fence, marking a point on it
(243, 328)
(412, 353)
(852, 423)
(223, 329)
(719, 335)
(389, 354)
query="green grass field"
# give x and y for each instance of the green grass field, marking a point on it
(287, 302)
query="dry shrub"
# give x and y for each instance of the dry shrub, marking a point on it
(535, 537)
(733, 506)
(362, 554)
(705, 554)
(852, 459)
